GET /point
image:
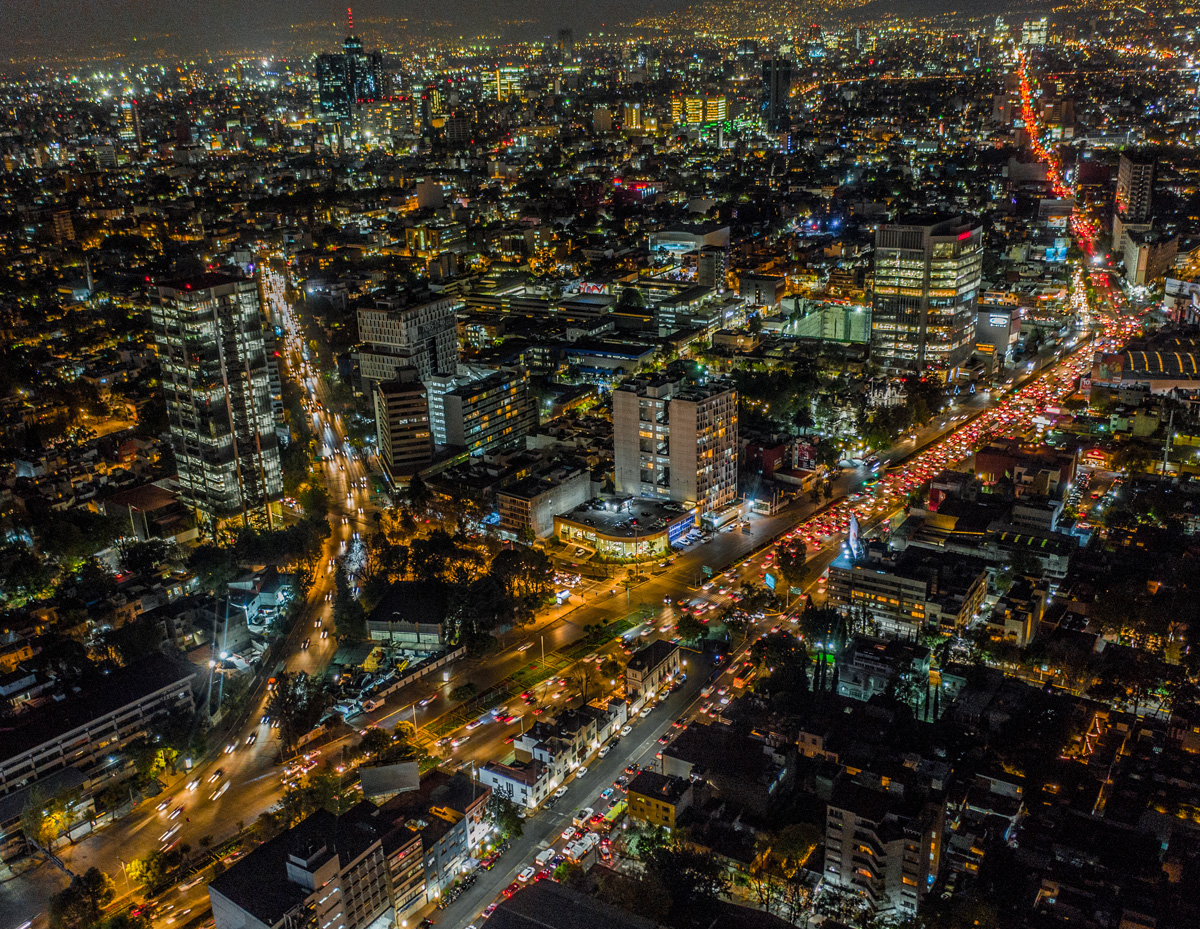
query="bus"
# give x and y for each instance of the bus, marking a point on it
(744, 674)
(614, 814)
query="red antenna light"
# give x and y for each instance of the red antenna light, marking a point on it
(350, 18)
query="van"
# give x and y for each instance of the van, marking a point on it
(544, 857)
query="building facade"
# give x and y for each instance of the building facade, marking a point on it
(393, 336)
(675, 442)
(497, 411)
(216, 376)
(402, 425)
(348, 80)
(928, 272)
(882, 847)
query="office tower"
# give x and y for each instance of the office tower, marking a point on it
(348, 80)
(494, 412)
(883, 844)
(716, 109)
(509, 81)
(212, 347)
(393, 336)
(676, 442)
(1035, 31)
(631, 116)
(927, 276)
(777, 88)
(130, 127)
(402, 425)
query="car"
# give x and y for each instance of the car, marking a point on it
(526, 874)
(306, 643)
(581, 770)
(625, 730)
(580, 551)
(568, 832)
(216, 794)
(324, 633)
(193, 784)
(459, 741)
(230, 747)
(560, 793)
(252, 738)
(544, 874)
(608, 792)
(511, 889)
(633, 768)
(488, 910)
(604, 750)
(215, 776)
(175, 812)
(645, 712)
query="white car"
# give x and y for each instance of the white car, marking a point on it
(581, 770)
(568, 832)
(526, 874)
(625, 730)
(604, 750)
(193, 784)
(560, 793)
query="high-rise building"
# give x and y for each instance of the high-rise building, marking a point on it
(710, 267)
(699, 111)
(423, 336)
(402, 425)
(777, 87)
(348, 80)
(1035, 31)
(1135, 188)
(1134, 204)
(130, 127)
(509, 82)
(927, 276)
(676, 442)
(212, 347)
(631, 116)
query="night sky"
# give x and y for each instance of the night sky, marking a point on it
(188, 26)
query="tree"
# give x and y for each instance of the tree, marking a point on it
(375, 742)
(349, 618)
(44, 818)
(149, 871)
(81, 905)
(298, 702)
(790, 557)
(694, 878)
(418, 494)
(503, 813)
(690, 628)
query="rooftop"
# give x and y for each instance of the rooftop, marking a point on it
(639, 516)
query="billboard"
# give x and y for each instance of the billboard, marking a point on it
(384, 780)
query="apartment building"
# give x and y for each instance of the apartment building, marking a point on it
(658, 800)
(883, 846)
(676, 442)
(328, 872)
(85, 731)
(497, 411)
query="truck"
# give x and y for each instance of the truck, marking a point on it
(583, 852)
(544, 857)
(582, 816)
